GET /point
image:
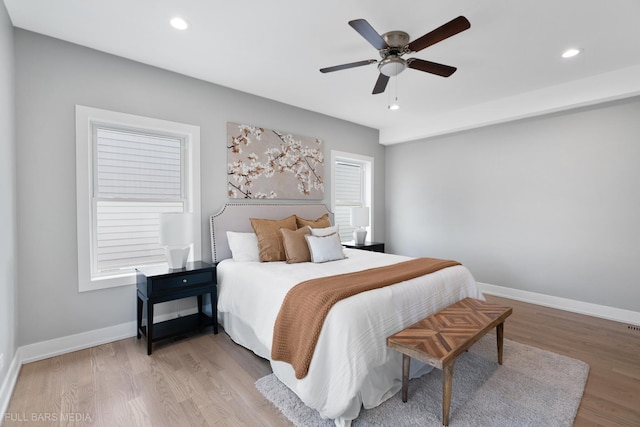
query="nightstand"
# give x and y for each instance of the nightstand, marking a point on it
(161, 284)
(368, 246)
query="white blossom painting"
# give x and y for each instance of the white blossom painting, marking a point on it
(268, 164)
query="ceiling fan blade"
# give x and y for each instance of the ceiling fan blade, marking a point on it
(431, 67)
(346, 66)
(366, 30)
(447, 30)
(381, 84)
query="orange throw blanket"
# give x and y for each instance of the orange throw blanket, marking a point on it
(306, 305)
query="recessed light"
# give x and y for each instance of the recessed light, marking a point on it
(179, 23)
(569, 53)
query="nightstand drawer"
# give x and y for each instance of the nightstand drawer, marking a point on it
(184, 280)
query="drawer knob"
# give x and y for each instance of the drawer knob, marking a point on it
(184, 280)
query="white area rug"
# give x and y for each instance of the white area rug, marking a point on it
(533, 387)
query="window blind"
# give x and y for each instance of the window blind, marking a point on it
(137, 177)
(349, 192)
(132, 165)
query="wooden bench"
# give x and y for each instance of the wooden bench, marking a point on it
(438, 339)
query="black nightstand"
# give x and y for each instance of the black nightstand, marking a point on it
(161, 284)
(368, 246)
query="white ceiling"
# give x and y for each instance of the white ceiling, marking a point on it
(509, 63)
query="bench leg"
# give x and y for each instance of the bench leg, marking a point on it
(499, 340)
(406, 363)
(447, 382)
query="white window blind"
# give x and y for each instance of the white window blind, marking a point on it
(137, 176)
(135, 165)
(349, 192)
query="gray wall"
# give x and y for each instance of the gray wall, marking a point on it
(8, 263)
(548, 205)
(51, 77)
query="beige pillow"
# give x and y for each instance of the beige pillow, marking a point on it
(295, 245)
(269, 237)
(320, 222)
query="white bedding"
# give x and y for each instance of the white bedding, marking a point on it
(352, 366)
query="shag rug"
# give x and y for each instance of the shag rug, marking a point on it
(532, 387)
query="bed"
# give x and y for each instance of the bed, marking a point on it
(351, 366)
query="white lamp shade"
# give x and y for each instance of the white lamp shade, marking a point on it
(360, 217)
(176, 229)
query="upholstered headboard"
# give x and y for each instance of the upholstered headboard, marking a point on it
(235, 217)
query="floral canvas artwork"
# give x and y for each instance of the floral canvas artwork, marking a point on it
(269, 164)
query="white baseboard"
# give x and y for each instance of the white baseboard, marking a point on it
(45, 349)
(57, 346)
(596, 310)
(9, 383)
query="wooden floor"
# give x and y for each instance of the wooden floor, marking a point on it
(207, 380)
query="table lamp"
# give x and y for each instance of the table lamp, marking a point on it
(359, 219)
(176, 235)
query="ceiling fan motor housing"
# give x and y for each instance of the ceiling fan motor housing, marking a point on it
(396, 38)
(392, 64)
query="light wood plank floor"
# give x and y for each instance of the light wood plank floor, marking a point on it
(206, 379)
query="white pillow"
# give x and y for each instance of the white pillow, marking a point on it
(320, 232)
(244, 246)
(325, 248)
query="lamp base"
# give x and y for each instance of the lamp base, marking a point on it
(177, 256)
(359, 235)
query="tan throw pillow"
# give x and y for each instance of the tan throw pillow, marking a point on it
(269, 237)
(295, 245)
(321, 222)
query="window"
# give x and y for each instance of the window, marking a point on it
(130, 169)
(351, 178)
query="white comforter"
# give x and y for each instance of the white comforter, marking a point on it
(352, 366)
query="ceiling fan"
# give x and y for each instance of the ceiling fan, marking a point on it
(395, 44)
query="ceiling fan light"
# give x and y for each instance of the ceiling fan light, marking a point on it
(392, 66)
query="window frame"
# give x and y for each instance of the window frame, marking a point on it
(86, 120)
(368, 194)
